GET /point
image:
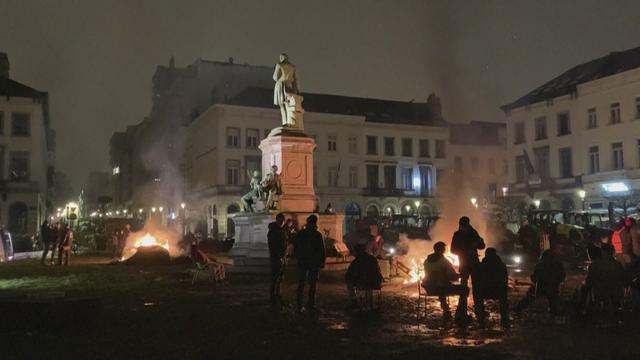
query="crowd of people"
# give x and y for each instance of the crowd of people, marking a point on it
(56, 237)
(606, 278)
(605, 282)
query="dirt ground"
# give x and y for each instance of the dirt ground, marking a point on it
(95, 310)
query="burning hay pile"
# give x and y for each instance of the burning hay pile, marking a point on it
(153, 245)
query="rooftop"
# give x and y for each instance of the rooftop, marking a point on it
(614, 63)
(374, 110)
(12, 88)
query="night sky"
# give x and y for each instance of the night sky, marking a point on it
(96, 58)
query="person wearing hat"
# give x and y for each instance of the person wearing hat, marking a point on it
(309, 251)
(465, 243)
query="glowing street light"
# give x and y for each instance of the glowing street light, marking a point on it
(504, 191)
(536, 202)
(183, 205)
(407, 207)
(582, 194)
(140, 210)
(153, 209)
(474, 202)
(417, 204)
(160, 208)
(125, 211)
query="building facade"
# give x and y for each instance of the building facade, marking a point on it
(26, 157)
(146, 158)
(478, 160)
(575, 141)
(372, 157)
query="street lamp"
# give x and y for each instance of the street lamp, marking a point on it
(474, 202)
(504, 191)
(183, 205)
(153, 209)
(140, 210)
(536, 202)
(407, 207)
(160, 208)
(582, 194)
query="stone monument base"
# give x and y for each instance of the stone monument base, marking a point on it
(251, 234)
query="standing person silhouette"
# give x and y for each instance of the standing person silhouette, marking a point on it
(465, 243)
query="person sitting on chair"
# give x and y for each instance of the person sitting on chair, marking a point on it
(493, 284)
(439, 278)
(547, 276)
(363, 272)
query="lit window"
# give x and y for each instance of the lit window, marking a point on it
(407, 178)
(116, 170)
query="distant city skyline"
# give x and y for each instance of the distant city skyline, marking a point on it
(96, 59)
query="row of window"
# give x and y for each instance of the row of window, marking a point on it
(424, 147)
(541, 159)
(252, 139)
(563, 122)
(20, 124)
(18, 165)
(422, 180)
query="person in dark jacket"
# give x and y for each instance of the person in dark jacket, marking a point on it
(465, 243)
(310, 253)
(494, 279)
(363, 272)
(439, 278)
(606, 277)
(46, 234)
(547, 276)
(277, 240)
(58, 236)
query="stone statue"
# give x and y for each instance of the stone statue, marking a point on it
(247, 199)
(272, 185)
(286, 93)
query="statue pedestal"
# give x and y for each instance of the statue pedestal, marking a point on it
(251, 235)
(292, 152)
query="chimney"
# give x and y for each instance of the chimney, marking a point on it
(4, 65)
(433, 103)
